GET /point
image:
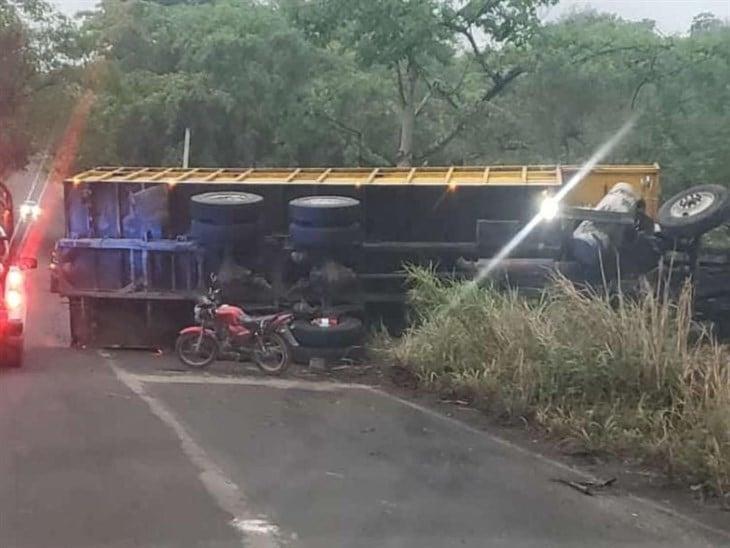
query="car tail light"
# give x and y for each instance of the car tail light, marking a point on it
(14, 292)
(13, 299)
(14, 279)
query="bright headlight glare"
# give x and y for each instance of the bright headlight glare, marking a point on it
(13, 299)
(14, 279)
(30, 211)
(549, 208)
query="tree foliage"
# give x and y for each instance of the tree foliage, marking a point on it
(252, 89)
(35, 46)
(419, 41)
(343, 82)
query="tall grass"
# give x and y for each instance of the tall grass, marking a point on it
(618, 375)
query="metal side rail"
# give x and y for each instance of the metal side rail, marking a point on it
(128, 269)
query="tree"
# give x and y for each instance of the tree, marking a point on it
(248, 84)
(592, 71)
(591, 74)
(704, 22)
(690, 110)
(303, 83)
(16, 70)
(417, 41)
(34, 47)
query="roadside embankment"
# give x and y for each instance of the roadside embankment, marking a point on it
(626, 376)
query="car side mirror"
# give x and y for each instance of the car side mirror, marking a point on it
(28, 263)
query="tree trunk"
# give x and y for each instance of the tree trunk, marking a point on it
(408, 117)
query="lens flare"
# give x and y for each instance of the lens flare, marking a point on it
(549, 209)
(51, 198)
(574, 181)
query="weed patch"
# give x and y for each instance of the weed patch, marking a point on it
(620, 375)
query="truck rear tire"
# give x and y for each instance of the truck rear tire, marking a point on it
(348, 332)
(216, 234)
(324, 211)
(223, 208)
(694, 211)
(304, 236)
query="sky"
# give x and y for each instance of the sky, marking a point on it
(672, 16)
(72, 6)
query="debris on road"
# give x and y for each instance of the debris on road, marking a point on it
(586, 487)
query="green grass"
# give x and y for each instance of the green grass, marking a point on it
(624, 376)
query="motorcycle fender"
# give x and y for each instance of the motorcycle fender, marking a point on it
(196, 329)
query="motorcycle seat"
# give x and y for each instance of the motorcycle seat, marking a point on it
(255, 321)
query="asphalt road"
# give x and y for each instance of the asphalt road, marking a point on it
(103, 448)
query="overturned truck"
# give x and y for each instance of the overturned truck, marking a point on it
(141, 243)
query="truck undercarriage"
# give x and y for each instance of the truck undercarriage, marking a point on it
(141, 243)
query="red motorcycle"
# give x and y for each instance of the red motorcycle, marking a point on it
(226, 329)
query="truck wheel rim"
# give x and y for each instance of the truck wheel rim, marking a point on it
(328, 201)
(231, 198)
(692, 204)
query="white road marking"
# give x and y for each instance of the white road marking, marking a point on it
(257, 526)
(39, 171)
(283, 384)
(39, 201)
(255, 529)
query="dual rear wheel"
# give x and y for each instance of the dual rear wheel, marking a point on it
(220, 219)
(325, 222)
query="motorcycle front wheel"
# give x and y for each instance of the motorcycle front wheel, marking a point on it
(196, 350)
(272, 356)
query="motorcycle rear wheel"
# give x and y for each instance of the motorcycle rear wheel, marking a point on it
(275, 357)
(195, 351)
